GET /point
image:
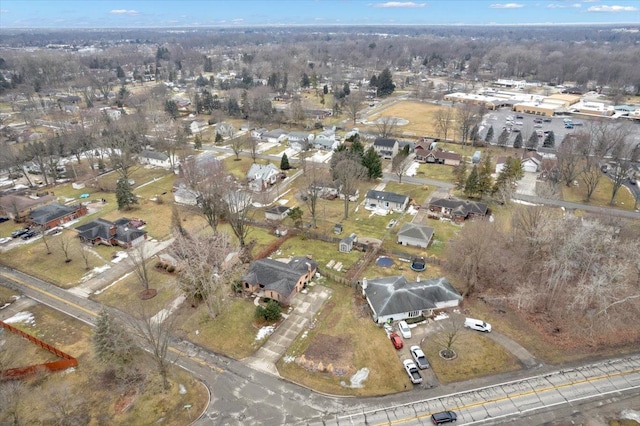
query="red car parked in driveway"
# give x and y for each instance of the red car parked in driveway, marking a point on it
(396, 340)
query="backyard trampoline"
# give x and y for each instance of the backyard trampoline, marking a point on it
(418, 264)
(384, 261)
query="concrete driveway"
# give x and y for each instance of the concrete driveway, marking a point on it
(305, 307)
(527, 185)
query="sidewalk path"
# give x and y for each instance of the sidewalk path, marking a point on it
(305, 308)
(524, 356)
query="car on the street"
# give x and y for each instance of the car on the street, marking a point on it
(5, 240)
(538, 126)
(476, 324)
(443, 417)
(547, 120)
(404, 329)
(418, 356)
(31, 233)
(19, 232)
(396, 340)
(412, 371)
(519, 117)
(519, 123)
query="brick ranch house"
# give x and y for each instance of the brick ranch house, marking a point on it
(55, 214)
(457, 210)
(123, 232)
(279, 281)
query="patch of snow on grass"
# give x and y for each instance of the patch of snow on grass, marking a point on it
(413, 168)
(358, 378)
(265, 332)
(25, 317)
(288, 359)
(119, 256)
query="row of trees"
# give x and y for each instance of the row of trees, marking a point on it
(563, 268)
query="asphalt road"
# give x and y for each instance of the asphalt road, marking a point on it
(241, 395)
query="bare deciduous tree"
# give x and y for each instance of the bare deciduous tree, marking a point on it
(139, 263)
(349, 173)
(353, 104)
(400, 164)
(386, 126)
(467, 116)
(203, 275)
(237, 210)
(443, 120)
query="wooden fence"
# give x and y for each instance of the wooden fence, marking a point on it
(65, 362)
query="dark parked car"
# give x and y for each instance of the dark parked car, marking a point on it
(443, 417)
(29, 234)
(3, 219)
(19, 232)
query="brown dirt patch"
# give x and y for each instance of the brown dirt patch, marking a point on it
(328, 354)
(125, 401)
(148, 294)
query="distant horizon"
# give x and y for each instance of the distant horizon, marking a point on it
(137, 14)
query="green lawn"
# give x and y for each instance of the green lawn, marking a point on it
(439, 172)
(344, 341)
(123, 295)
(231, 333)
(601, 196)
(477, 356)
(322, 252)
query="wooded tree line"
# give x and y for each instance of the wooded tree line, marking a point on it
(574, 275)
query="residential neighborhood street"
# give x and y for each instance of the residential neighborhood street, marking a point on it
(241, 394)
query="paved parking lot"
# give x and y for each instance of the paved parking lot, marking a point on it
(498, 119)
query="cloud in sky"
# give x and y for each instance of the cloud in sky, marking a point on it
(399, 5)
(3, 11)
(123, 12)
(506, 6)
(563, 6)
(606, 8)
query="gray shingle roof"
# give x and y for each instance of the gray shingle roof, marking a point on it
(384, 142)
(460, 207)
(278, 210)
(45, 214)
(420, 232)
(387, 196)
(279, 276)
(100, 228)
(396, 295)
(161, 156)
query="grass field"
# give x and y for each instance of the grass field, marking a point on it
(601, 196)
(88, 391)
(232, 333)
(355, 338)
(420, 116)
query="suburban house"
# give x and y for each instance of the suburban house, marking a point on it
(198, 126)
(123, 232)
(437, 157)
(325, 140)
(531, 162)
(395, 298)
(354, 193)
(261, 176)
(225, 129)
(385, 147)
(346, 244)
(413, 234)
(274, 136)
(55, 214)
(277, 213)
(185, 196)
(155, 158)
(257, 133)
(385, 201)
(457, 210)
(279, 281)
(300, 141)
(18, 207)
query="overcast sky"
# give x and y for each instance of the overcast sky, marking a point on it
(207, 13)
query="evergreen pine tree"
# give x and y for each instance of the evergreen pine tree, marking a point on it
(124, 195)
(532, 143)
(485, 181)
(460, 174)
(284, 162)
(472, 185)
(371, 161)
(549, 140)
(102, 337)
(385, 83)
(489, 137)
(357, 148)
(517, 143)
(503, 138)
(111, 343)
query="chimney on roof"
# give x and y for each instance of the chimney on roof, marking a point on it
(112, 230)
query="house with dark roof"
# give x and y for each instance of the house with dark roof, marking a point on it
(18, 207)
(457, 210)
(435, 156)
(155, 158)
(277, 213)
(277, 280)
(385, 147)
(384, 200)
(55, 214)
(413, 234)
(395, 298)
(274, 136)
(123, 232)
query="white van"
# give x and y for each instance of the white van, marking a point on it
(476, 324)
